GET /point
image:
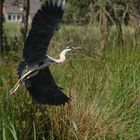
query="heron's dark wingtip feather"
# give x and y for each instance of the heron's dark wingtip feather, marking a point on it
(51, 98)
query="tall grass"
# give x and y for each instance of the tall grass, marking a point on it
(104, 92)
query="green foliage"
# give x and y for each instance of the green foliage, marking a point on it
(80, 10)
(104, 92)
(77, 10)
(81, 5)
(104, 104)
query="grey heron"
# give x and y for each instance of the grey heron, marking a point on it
(34, 71)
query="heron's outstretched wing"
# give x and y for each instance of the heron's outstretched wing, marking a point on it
(45, 22)
(44, 90)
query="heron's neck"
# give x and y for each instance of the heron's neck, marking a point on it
(62, 56)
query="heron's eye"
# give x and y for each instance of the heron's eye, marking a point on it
(41, 63)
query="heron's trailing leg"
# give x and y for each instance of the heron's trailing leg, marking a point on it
(14, 89)
(25, 76)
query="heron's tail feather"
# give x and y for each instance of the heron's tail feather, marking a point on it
(20, 68)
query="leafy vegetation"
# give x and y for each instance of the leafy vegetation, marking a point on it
(104, 91)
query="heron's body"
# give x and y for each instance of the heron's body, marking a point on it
(34, 71)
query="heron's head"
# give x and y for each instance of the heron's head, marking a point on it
(69, 50)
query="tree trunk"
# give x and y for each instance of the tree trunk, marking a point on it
(119, 29)
(1, 27)
(135, 22)
(103, 30)
(25, 17)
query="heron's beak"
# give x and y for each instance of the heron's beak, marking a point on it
(78, 49)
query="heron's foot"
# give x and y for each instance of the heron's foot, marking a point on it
(13, 90)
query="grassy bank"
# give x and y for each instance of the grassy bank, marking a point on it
(105, 95)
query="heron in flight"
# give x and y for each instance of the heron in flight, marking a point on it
(34, 72)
